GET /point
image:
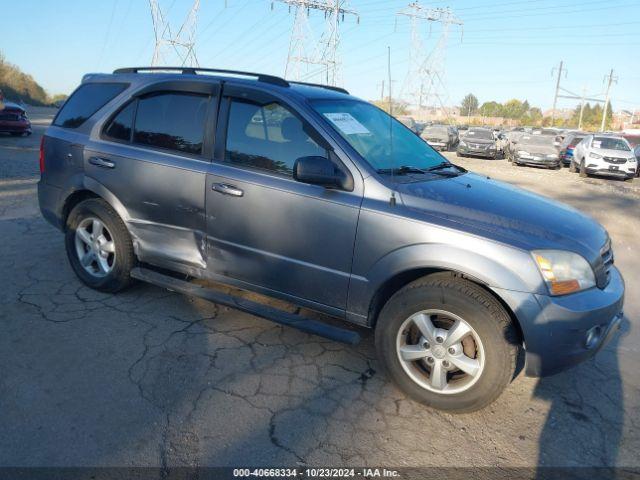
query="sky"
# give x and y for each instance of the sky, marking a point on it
(505, 49)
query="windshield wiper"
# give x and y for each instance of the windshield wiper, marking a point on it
(444, 165)
(404, 169)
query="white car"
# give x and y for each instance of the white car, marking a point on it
(604, 155)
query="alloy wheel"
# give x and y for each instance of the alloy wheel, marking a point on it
(440, 351)
(95, 247)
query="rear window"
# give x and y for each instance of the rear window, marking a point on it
(172, 121)
(85, 101)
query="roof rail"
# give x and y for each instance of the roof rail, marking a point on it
(328, 87)
(194, 71)
(260, 76)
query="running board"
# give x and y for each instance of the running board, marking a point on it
(270, 313)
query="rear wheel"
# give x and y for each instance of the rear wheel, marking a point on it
(98, 246)
(572, 167)
(447, 343)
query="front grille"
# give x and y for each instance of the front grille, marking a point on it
(478, 145)
(616, 160)
(10, 117)
(603, 270)
(435, 140)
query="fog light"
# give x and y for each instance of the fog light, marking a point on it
(593, 337)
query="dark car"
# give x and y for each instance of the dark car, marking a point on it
(310, 195)
(478, 142)
(13, 119)
(568, 145)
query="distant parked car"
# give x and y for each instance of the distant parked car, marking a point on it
(478, 142)
(14, 120)
(512, 139)
(568, 145)
(440, 137)
(409, 122)
(537, 151)
(604, 155)
(636, 152)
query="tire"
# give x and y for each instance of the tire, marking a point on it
(458, 154)
(583, 169)
(494, 342)
(109, 270)
(572, 167)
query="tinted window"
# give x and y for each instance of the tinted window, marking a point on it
(174, 121)
(120, 127)
(85, 101)
(267, 137)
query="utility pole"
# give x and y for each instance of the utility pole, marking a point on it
(555, 97)
(609, 79)
(424, 83)
(381, 90)
(584, 94)
(169, 46)
(305, 52)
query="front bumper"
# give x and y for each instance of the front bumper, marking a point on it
(439, 145)
(619, 171)
(536, 161)
(562, 331)
(478, 152)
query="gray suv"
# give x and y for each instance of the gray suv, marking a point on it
(307, 194)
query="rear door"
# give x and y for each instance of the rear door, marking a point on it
(264, 228)
(152, 155)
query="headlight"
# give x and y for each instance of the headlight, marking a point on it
(552, 156)
(564, 272)
(594, 155)
(492, 147)
(631, 160)
(522, 152)
(462, 143)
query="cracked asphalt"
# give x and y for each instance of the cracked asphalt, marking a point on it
(152, 378)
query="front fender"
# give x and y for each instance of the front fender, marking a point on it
(488, 263)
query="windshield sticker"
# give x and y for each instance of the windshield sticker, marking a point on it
(347, 124)
(596, 143)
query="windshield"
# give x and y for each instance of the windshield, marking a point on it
(369, 131)
(609, 143)
(483, 134)
(437, 130)
(537, 139)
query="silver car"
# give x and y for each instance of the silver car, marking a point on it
(536, 150)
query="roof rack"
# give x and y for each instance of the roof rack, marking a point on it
(194, 71)
(261, 77)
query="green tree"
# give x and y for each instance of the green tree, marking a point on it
(469, 105)
(491, 109)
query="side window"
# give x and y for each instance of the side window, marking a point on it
(120, 126)
(85, 101)
(267, 137)
(171, 120)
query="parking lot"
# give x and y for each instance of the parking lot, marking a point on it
(149, 377)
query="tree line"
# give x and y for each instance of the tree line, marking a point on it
(19, 86)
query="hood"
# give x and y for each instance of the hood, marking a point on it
(536, 148)
(504, 213)
(613, 153)
(438, 135)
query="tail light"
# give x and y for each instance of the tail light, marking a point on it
(42, 155)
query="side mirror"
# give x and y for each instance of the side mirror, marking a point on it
(317, 170)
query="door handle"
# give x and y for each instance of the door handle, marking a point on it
(102, 162)
(227, 189)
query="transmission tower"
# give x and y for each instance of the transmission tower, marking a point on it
(308, 58)
(179, 47)
(424, 83)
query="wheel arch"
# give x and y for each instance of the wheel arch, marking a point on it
(401, 279)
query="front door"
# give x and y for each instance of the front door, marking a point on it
(264, 228)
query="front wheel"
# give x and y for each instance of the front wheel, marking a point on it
(447, 343)
(583, 169)
(98, 246)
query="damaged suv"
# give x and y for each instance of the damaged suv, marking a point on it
(309, 195)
